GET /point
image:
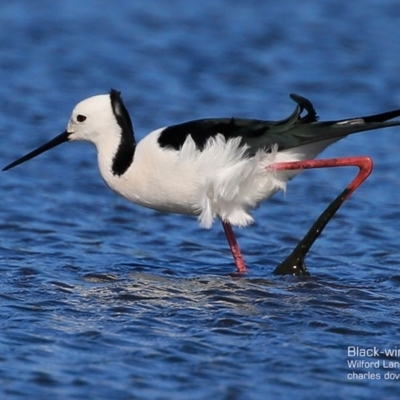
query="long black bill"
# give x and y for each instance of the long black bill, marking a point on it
(47, 146)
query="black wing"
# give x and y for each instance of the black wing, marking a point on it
(294, 131)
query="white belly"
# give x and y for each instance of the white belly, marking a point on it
(217, 181)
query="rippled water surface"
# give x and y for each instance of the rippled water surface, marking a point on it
(102, 299)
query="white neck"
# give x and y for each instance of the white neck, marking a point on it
(106, 151)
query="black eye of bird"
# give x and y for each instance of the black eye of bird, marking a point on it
(80, 118)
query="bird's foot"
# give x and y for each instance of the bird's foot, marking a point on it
(293, 265)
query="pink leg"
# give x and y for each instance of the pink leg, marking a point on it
(362, 162)
(294, 263)
(237, 254)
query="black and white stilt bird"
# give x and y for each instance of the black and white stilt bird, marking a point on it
(216, 167)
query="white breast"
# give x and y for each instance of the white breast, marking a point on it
(217, 181)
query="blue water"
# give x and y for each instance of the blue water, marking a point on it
(102, 299)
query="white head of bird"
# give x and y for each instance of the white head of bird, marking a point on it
(92, 120)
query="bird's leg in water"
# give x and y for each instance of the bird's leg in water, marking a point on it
(294, 263)
(235, 249)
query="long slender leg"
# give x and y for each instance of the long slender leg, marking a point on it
(235, 249)
(294, 263)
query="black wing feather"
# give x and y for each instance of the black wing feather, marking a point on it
(255, 133)
(294, 131)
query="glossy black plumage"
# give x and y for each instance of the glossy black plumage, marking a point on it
(124, 156)
(294, 131)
